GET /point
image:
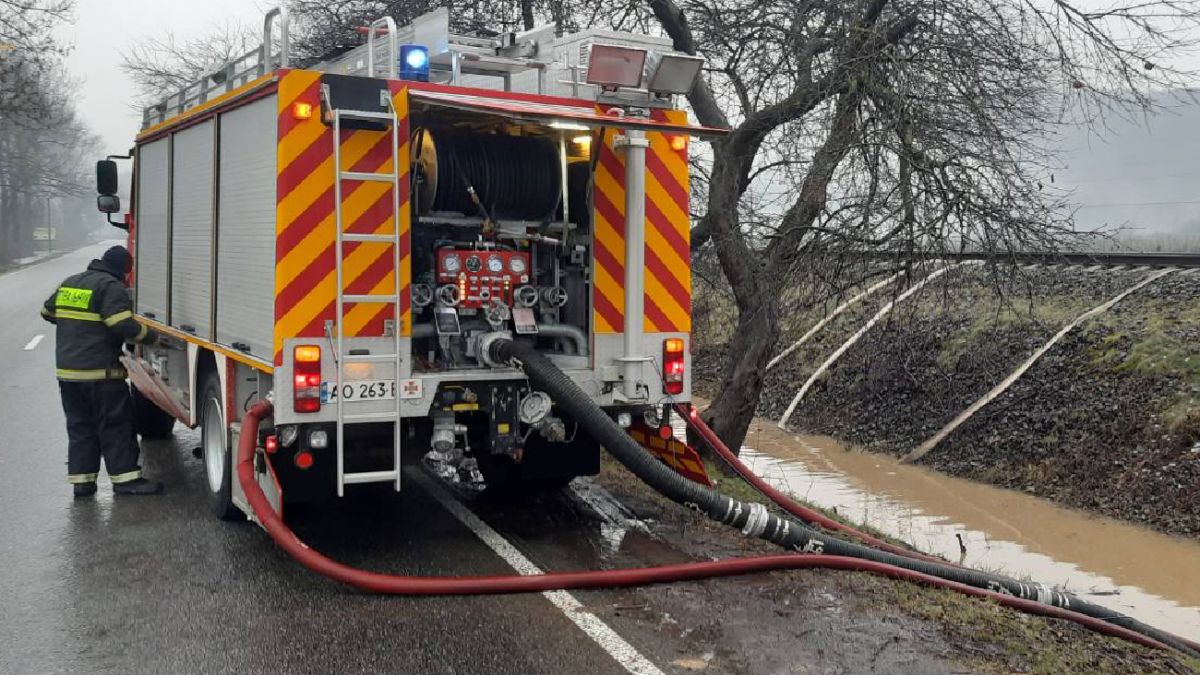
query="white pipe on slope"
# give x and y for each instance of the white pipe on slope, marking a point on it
(884, 311)
(965, 415)
(821, 324)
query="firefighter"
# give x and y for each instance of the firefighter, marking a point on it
(94, 319)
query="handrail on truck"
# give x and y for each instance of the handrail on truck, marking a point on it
(281, 13)
(389, 29)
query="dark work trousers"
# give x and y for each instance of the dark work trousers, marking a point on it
(99, 423)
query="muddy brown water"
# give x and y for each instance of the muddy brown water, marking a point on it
(1143, 573)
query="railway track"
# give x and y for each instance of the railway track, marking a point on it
(1108, 259)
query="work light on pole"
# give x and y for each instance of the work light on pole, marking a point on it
(612, 67)
(673, 73)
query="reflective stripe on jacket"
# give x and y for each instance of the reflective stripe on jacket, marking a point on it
(94, 317)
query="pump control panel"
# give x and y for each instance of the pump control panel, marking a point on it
(480, 276)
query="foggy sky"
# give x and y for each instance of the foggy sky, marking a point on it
(1123, 176)
(1143, 174)
(105, 28)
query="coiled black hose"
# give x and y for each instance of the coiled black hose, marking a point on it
(515, 177)
(754, 519)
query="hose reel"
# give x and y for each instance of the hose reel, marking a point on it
(515, 177)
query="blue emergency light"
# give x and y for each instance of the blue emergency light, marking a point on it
(414, 63)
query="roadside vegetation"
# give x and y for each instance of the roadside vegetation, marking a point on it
(1108, 420)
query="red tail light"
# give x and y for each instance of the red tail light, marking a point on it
(304, 460)
(306, 389)
(672, 366)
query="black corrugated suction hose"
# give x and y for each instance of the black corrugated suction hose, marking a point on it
(754, 520)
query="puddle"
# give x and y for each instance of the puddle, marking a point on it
(1148, 575)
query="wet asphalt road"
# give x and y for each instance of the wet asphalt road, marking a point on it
(156, 585)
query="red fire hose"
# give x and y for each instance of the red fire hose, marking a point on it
(473, 585)
(810, 516)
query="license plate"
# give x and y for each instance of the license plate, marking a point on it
(359, 390)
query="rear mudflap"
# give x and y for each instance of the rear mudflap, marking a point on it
(681, 457)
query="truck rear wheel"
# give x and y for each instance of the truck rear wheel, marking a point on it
(149, 420)
(214, 441)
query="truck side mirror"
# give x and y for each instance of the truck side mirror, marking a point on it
(106, 180)
(108, 203)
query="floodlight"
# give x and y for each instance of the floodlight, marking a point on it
(673, 73)
(610, 66)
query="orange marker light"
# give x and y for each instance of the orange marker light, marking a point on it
(307, 353)
(679, 143)
(302, 111)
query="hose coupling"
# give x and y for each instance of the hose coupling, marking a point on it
(486, 349)
(756, 519)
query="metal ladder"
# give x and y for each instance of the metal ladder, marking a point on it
(393, 299)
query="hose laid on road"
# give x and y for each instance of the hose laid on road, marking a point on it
(375, 582)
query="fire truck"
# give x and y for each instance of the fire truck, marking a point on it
(345, 235)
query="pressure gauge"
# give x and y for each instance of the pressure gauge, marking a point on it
(495, 264)
(516, 264)
(452, 263)
(474, 264)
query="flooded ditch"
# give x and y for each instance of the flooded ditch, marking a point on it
(1143, 573)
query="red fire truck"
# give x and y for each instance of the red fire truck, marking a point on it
(345, 235)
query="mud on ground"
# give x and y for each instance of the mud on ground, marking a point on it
(817, 621)
(1108, 420)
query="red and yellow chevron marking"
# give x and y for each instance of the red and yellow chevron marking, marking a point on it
(306, 274)
(681, 457)
(668, 276)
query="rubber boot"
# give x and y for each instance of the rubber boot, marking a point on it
(84, 489)
(138, 486)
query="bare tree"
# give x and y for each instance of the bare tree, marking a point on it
(160, 67)
(47, 154)
(895, 124)
(858, 124)
(45, 145)
(28, 49)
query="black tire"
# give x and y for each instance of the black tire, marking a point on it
(214, 441)
(150, 421)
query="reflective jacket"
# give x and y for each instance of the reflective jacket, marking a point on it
(94, 318)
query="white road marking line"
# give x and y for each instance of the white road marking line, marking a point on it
(600, 633)
(37, 339)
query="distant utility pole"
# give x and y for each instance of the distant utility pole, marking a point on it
(49, 229)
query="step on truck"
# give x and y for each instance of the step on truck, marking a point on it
(345, 235)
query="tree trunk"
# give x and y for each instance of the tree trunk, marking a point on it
(732, 410)
(731, 413)
(527, 18)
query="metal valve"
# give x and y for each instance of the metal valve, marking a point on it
(422, 295)
(554, 296)
(448, 295)
(525, 296)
